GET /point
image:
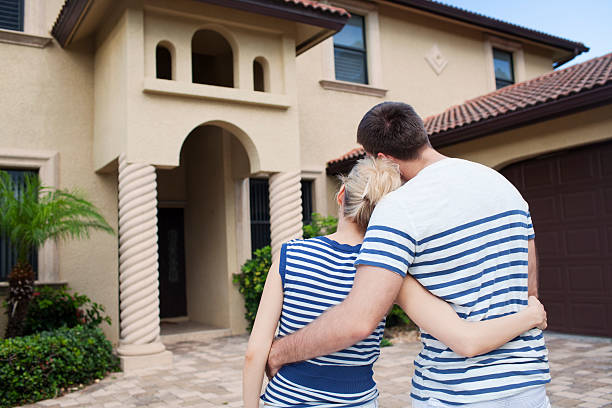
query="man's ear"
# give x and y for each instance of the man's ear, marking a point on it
(386, 156)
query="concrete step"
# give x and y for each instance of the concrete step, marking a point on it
(175, 332)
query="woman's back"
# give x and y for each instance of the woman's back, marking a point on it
(317, 274)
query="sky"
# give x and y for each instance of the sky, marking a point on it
(586, 21)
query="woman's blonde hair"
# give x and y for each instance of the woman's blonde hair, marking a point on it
(367, 183)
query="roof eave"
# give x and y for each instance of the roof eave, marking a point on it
(330, 21)
(577, 102)
(454, 13)
(70, 17)
(74, 11)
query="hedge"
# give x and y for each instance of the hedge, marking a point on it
(36, 367)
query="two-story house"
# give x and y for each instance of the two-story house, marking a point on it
(202, 129)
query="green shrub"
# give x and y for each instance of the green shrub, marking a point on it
(52, 308)
(397, 317)
(320, 225)
(36, 367)
(251, 281)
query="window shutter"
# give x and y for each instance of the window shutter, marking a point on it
(11, 15)
(350, 65)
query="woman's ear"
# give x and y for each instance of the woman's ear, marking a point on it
(340, 195)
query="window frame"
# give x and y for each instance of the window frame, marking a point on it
(47, 163)
(363, 52)
(518, 59)
(375, 86)
(507, 82)
(34, 32)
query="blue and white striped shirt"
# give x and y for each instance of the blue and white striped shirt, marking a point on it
(461, 229)
(317, 274)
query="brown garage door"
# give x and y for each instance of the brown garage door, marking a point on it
(570, 198)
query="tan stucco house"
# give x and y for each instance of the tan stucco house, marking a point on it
(202, 130)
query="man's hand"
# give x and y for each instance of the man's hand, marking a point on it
(272, 366)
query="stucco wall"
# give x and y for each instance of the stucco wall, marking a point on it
(48, 105)
(504, 148)
(328, 118)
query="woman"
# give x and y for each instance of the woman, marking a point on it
(312, 275)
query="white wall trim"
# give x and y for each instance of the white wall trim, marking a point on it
(219, 93)
(21, 38)
(47, 163)
(352, 87)
(518, 58)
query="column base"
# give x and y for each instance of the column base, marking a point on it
(157, 360)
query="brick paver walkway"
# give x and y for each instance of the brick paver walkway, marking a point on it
(207, 374)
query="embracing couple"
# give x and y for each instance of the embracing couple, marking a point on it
(448, 240)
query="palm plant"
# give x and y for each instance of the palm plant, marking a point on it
(29, 219)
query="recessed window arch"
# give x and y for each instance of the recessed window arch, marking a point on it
(212, 59)
(164, 60)
(261, 75)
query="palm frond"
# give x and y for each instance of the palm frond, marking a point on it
(39, 213)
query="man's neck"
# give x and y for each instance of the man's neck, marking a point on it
(410, 168)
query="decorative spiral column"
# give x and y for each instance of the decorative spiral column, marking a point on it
(285, 208)
(140, 345)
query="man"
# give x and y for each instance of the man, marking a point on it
(464, 232)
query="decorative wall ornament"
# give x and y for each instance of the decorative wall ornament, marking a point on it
(285, 208)
(436, 60)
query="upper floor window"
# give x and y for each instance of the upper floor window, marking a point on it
(504, 68)
(350, 53)
(212, 59)
(261, 75)
(11, 15)
(163, 62)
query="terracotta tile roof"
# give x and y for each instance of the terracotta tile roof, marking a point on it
(512, 102)
(546, 88)
(319, 6)
(356, 154)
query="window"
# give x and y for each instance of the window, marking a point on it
(504, 68)
(163, 62)
(258, 77)
(260, 210)
(11, 15)
(350, 52)
(8, 255)
(260, 213)
(261, 75)
(307, 208)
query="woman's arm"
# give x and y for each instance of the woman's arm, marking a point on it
(261, 338)
(465, 338)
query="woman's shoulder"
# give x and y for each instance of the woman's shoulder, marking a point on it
(322, 244)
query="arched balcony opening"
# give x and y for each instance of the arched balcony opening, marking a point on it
(164, 61)
(211, 59)
(261, 75)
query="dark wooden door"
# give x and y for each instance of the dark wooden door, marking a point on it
(171, 249)
(570, 198)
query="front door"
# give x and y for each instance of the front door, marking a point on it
(171, 249)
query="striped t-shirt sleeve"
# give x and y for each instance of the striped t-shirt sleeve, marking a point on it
(530, 230)
(388, 242)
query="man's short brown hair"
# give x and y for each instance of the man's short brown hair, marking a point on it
(394, 129)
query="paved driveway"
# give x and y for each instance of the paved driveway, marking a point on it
(207, 374)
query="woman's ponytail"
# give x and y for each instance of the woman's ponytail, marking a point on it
(367, 183)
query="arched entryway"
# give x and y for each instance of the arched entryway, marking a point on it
(198, 203)
(570, 198)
